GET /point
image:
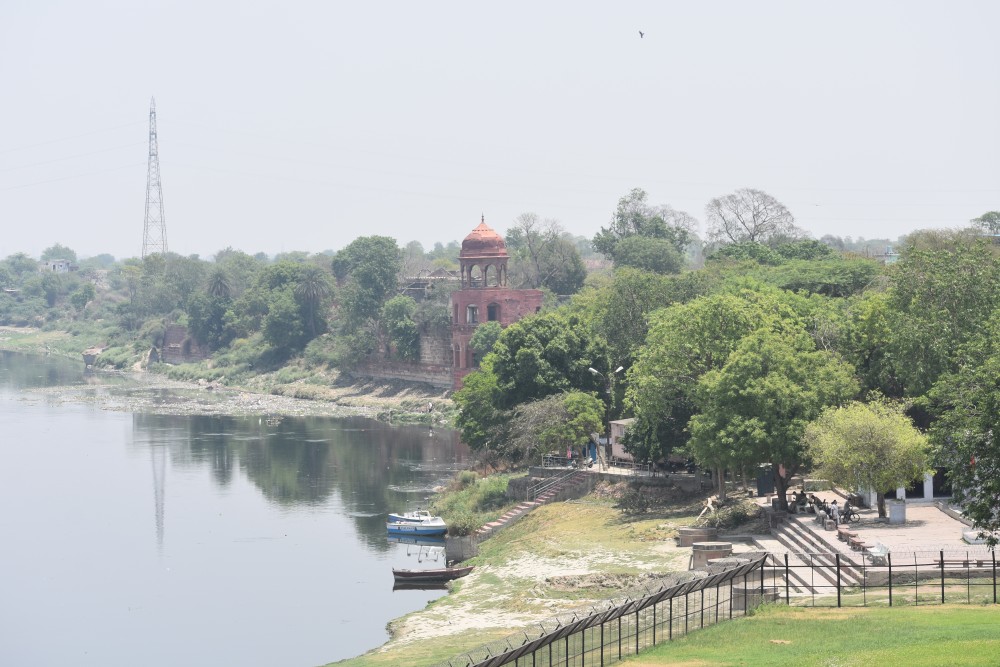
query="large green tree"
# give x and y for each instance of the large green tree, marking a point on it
(684, 342)
(940, 300)
(755, 408)
(635, 217)
(966, 404)
(546, 354)
(867, 446)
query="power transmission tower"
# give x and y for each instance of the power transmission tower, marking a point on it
(154, 235)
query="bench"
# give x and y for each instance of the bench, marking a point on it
(858, 544)
(878, 553)
(842, 533)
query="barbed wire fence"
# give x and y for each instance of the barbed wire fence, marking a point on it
(626, 624)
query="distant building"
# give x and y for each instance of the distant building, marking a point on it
(484, 296)
(58, 265)
(618, 428)
(890, 256)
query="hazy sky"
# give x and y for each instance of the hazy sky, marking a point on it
(302, 125)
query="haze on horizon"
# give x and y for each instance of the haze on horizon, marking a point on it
(305, 125)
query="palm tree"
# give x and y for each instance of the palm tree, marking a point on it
(218, 284)
(313, 287)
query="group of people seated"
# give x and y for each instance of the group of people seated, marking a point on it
(812, 505)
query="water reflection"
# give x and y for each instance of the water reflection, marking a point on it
(137, 533)
(366, 467)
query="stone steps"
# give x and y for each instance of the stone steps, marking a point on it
(812, 559)
(551, 494)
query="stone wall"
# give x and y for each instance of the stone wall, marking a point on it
(179, 347)
(435, 348)
(435, 375)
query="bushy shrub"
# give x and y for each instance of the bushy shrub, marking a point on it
(633, 501)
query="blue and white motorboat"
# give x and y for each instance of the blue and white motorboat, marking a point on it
(417, 515)
(434, 525)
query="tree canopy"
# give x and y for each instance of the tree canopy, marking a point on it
(872, 446)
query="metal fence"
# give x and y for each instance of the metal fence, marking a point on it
(626, 626)
(943, 576)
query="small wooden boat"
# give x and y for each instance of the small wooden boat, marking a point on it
(434, 525)
(440, 574)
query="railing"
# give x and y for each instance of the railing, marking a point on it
(966, 576)
(625, 627)
(541, 487)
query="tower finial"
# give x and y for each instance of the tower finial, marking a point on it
(482, 218)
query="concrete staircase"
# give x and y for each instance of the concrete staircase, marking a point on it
(573, 485)
(812, 556)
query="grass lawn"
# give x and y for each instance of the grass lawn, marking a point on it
(931, 636)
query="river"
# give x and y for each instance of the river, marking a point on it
(164, 540)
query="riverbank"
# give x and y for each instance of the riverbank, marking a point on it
(561, 559)
(312, 393)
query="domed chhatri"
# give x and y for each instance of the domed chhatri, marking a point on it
(483, 258)
(483, 242)
(484, 296)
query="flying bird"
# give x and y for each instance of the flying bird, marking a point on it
(641, 34)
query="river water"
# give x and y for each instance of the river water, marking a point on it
(164, 540)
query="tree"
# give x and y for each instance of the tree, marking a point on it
(754, 410)
(485, 337)
(484, 426)
(635, 217)
(397, 318)
(83, 295)
(369, 266)
(966, 405)
(684, 342)
(543, 256)
(218, 284)
(988, 222)
(649, 254)
(58, 251)
(313, 288)
(556, 422)
(546, 354)
(940, 300)
(867, 446)
(283, 327)
(749, 215)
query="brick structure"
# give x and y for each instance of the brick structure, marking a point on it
(179, 347)
(484, 296)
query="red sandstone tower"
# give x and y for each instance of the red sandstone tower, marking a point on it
(484, 296)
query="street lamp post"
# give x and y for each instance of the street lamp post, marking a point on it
(607, 410)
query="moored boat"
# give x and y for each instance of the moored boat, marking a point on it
(416, 515)
(434, 525)
(440, 574)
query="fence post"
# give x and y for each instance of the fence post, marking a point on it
(654, 624)
(838, 581)
(993, 555)
(942, 576)
(787, 598)
(670, 627)
(637, 632)
(602, 643)
(888, 559)
(619, 637)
